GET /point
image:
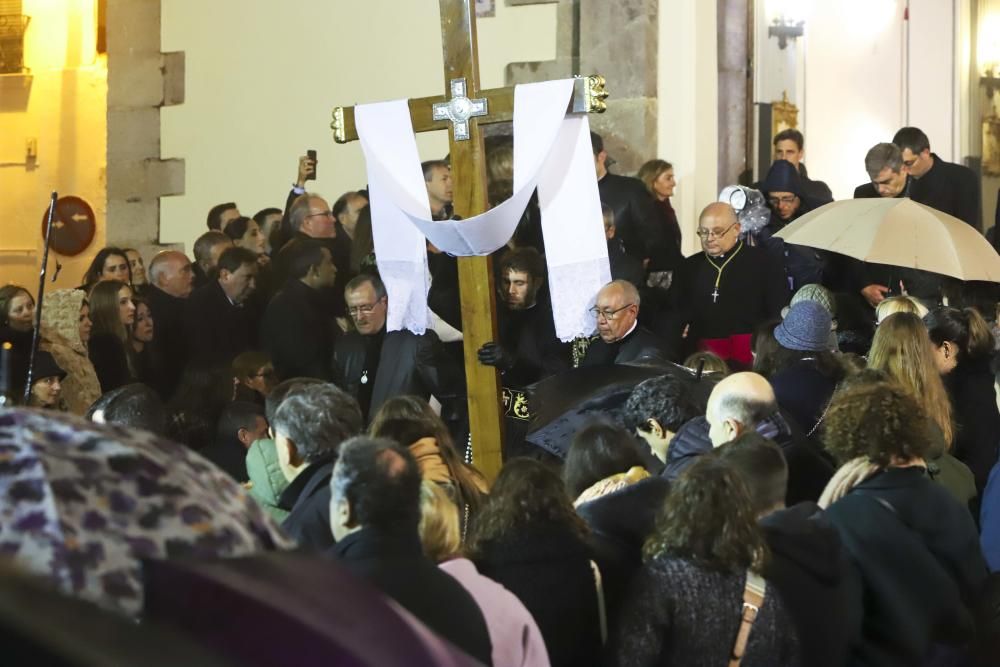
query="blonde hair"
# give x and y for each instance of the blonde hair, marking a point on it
(899, 304)
(903, 349)
(649, 172)
(439, 528)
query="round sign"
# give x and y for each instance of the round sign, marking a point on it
(73, 226)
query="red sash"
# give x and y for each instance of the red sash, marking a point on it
(735, 347)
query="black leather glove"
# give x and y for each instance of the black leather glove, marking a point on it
(492, 354)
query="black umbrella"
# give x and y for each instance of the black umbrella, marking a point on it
(562, 404)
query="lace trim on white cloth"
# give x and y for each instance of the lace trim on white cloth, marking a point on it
(579, 283)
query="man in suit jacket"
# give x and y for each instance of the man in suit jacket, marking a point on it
(220, 322)
(374, 365)
(297, 331)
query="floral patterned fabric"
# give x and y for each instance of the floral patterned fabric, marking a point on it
(83, 504)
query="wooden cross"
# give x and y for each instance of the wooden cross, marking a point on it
(466, 108)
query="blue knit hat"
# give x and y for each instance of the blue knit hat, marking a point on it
(806, 328)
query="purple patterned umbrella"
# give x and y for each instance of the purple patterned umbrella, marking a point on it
(82, 504)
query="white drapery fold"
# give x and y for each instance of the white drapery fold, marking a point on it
(552, 154)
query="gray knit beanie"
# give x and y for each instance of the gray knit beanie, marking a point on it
(806, 328)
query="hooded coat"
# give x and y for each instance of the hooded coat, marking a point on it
(816, 580)
(61, 338)
(802, 265)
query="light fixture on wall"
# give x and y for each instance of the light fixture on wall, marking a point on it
(988, 55)
(787, 20)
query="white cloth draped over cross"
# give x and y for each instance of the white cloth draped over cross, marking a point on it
(552, 152)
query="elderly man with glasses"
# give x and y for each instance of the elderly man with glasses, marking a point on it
(373, 365)
(726, 291)
(621, 339)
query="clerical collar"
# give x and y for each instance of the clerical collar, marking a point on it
(629, 332)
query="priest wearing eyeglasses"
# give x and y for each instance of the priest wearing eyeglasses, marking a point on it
(373, 365)
(621, 339)
(724, 292)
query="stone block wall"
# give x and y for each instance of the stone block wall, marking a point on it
(141, 80)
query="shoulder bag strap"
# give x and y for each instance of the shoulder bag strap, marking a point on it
(601, 611)
(753, 600)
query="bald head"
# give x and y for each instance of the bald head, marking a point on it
(617, 308)
(737, 404)
(170, 271)
(718, 228)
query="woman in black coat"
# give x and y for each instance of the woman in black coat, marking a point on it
(963, 349)
(113, 313)
(915, 545)
(617, 498)
(528, 538)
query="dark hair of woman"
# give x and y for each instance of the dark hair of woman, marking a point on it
(105, 313)
(598, 451)
(196, 406)
(96, 268)
(966, 328)
(526, 494)
(708, 519)
(406, 419)
(878, 419)
(235, 229)
(7, 294)
(765, 346)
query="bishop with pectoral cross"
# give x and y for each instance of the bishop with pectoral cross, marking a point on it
(465, 108)
(722, 294)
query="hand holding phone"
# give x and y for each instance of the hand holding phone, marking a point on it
(311, 154)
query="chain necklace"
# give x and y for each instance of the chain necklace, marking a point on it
(719, 269)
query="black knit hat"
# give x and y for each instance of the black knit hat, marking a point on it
(46, 367)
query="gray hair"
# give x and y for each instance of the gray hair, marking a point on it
(881, 156)
(203, 244)
(359, 280)
(379, 479)
(317, 418)
(747, 411)
(300, 210)
(158, 266)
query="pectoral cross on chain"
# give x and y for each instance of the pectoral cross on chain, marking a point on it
(715, 295)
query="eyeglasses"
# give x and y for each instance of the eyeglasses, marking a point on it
(367, 309)
(909, 163)
(777, 201)
(608, 315)
(713, 233)
(321, 214)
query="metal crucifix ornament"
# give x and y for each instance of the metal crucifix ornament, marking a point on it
(459, 109)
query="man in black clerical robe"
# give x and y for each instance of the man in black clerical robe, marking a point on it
(528, 349)
(621, 339)
(723, 293)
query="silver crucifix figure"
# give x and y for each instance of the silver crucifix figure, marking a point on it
(459, 109)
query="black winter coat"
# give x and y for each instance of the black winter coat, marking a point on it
(920, 561)
(548, 568)
(171, 339)
(392, 559)
(110, 359)
(619, 524)
(298, 334)
(637, 222)
(218, 331)
(816, 580)
(307, 499)
(977, 433)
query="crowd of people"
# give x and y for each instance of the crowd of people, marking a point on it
(812, 477)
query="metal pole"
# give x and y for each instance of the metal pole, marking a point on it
(40, 299)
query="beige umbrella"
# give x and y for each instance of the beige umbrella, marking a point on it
(899, 232)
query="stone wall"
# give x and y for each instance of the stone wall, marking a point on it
(141, 80)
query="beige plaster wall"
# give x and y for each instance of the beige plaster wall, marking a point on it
(62, 105)
(262, 77)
